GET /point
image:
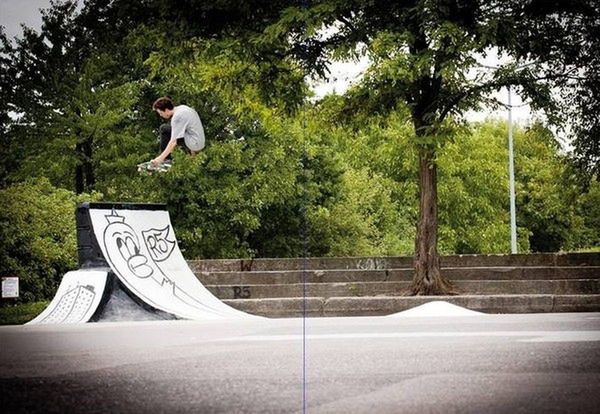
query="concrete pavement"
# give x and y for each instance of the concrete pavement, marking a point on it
(464, 364)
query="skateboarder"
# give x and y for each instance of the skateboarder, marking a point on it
(185, 129)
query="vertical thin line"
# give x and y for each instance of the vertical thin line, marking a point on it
(304, 262)
(304, 240)
(511, 180)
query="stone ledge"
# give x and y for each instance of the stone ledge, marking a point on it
(373, 306)
(363, 289)
(397, 275)
(395, 262)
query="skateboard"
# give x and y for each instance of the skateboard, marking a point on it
(148, 168)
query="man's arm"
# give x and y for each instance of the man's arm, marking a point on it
(163, 156)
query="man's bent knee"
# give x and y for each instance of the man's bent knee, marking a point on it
(165, 130)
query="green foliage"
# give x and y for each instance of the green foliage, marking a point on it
(473, 189)
(554, 211)
(342, 172)
(72, 99)
(373, 209)
(588, 207)
(11, 314)
(363, 221)
(37, 236)
(547, 192)
(224, 202)
(473, 193)
(244, 197)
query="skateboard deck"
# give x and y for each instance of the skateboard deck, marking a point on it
(147, 167)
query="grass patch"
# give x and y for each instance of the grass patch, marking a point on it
(19, 314)
(595, 249)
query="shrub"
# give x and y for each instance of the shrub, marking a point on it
(37, 236)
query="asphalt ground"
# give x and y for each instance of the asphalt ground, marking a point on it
(527, 363)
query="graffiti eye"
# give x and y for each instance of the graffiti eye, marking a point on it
(123, 249)
(132, 247)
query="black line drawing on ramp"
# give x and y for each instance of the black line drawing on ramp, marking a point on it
(72, 306)
(78, 297)
(158, 243)
(128, 257)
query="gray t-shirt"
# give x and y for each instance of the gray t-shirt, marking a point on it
(186, 124)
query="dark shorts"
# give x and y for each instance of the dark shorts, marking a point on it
(165, 138)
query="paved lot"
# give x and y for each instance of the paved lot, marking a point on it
(461, 364)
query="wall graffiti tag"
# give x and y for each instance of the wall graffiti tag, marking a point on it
(241, 292)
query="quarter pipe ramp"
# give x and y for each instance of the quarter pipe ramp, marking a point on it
(129, 255)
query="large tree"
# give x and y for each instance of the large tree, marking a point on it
(563, 38)
(428, 55)
(64, 96)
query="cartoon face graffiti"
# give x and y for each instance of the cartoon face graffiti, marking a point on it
(123, 247)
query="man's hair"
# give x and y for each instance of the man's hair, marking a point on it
(163, 103)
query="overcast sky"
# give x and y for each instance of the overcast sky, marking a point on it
(15, 12)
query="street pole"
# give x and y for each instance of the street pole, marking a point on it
(511, 179)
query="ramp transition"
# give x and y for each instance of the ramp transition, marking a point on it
(131, 268)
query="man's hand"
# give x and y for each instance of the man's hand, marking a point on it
(163, 156)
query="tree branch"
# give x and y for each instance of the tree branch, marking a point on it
(494, 85)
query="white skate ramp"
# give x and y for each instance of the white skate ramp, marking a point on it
(436, 308)
(76, 299)
(141, 248)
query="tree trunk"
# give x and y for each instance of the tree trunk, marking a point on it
(79, 172)
(90, 178)
(428, 279)
(84, 171)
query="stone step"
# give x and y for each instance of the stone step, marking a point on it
(374, 263)
(385, 305)
(361, 289)
(351, 275)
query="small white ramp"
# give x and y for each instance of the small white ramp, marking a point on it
(139, 244)
(77, 298)
(436, 308)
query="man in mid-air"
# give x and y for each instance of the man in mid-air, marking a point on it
(185, 129)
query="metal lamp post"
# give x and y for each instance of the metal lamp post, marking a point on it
(511, 179)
